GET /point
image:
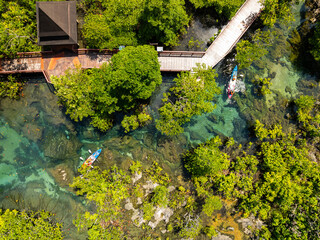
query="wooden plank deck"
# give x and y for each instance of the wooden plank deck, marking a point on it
(56, 64)
(232, 33)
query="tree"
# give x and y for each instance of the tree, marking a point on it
(308, 114)
(163, 21)
(207, 159)
(160, 196)
(315, 42)
(136, 72)
(11, 88)
(212, 203)
(247, 51)
(191, 95)
(225, 7)
(132, 75)
(276, 10)
(107, 189)
(18, 27)
(130, 123)
(112, 23)
(278, 183)
(28, 225)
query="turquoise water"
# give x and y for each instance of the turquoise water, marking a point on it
(40, 147)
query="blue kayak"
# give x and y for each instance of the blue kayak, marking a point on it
(232, 82)
(92, 158)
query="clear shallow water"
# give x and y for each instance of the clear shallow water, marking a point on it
(40, 147)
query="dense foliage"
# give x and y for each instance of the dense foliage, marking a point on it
(163, 21)
(18, 29)
(308, 115)
(132, 75)
(111, 23)
(262, 85)
(28, 225)
(251, 50)
(225, 7)
(191, 95)
(278, 183)
(10, 88)
(275, 10)
(130, 123)
(110, 189)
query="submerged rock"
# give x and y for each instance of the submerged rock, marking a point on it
(221, 237)
(58, 146)
(62, 174)
(32, 132)
(161, 214)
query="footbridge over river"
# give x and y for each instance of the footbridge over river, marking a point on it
(54, 64)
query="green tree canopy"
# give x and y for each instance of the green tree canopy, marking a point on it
(277, 10)
(136, 71)
(28, 225)
(225, 7)
(207, 159)
(112, 24)
(132, 75)
(162, 21)
(18, 31)
(249, 51)
(191, 95)
(278, 183)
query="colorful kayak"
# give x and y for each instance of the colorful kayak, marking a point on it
(232, 82)
(91, 159)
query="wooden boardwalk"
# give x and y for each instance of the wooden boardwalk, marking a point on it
(56, 64)
(222, 45)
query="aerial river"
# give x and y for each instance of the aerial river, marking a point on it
(40, 147)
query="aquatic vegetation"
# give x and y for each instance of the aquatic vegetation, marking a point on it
(194, 44)
(277, 183)
(315, 41)
(263, 85)
(277, 11)
(39, 225)
(11, 88)
(249, 51)
(191, 95)
(130, 123)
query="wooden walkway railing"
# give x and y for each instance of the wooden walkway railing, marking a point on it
(51, 64)
(181, 54)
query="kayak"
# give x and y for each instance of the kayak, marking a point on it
(90, 160)
(232, 83)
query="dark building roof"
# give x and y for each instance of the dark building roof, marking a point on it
(57, 23)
